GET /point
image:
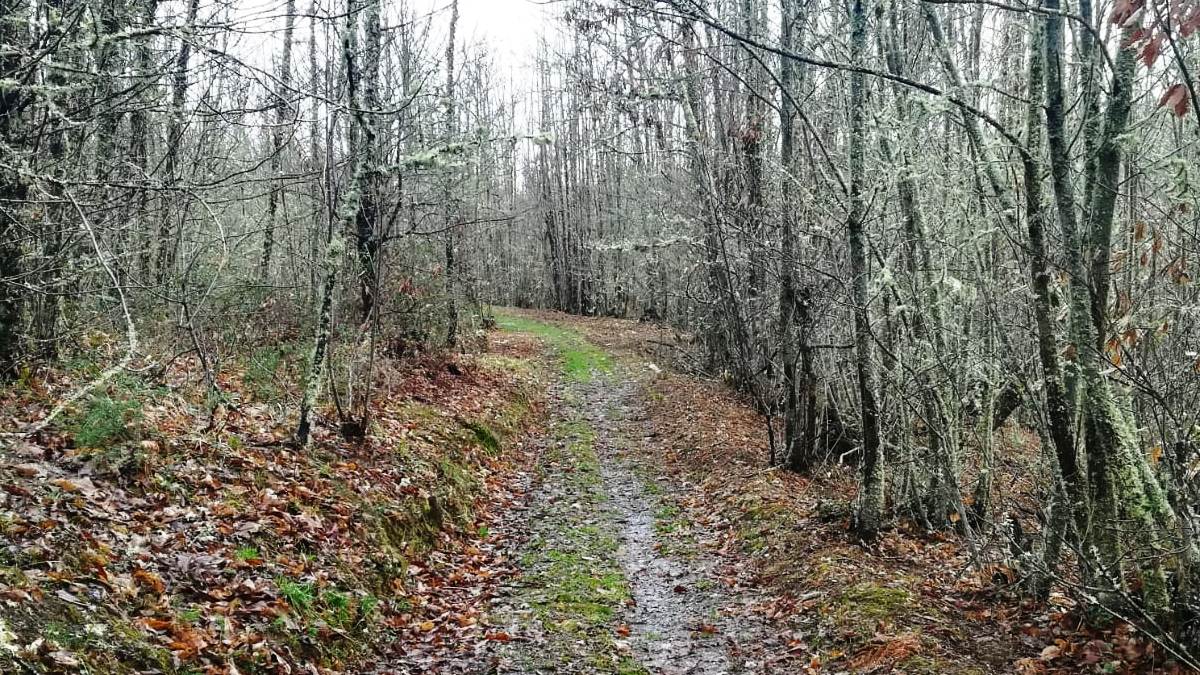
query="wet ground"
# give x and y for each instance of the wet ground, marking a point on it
(612, 580)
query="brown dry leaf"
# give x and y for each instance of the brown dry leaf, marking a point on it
(65, 485)
(160, 625)
(188, 643)
(1028, 666)
(63, 659)
(30, 470)
(886, 650)
(150, 580)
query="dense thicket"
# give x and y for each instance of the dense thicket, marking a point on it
(947, 242)
(192, 177)
(897, 226)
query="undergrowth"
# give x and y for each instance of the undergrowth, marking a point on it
(104, 421)
(262, 371)
(157, 545)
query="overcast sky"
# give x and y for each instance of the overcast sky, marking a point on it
(510, 29)
(510, 26)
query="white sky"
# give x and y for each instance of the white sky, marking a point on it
(509, 30)
(511, 27)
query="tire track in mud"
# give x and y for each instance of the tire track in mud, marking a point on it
(598, 593)
(676, 620)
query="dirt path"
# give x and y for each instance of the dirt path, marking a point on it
(612, 581)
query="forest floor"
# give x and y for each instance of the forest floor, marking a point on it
(659, 540)
(564, 502)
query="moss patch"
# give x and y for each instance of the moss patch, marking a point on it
(573, 581)
(871, 601)
(580, 359)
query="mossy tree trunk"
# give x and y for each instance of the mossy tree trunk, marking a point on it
(366, 221)
(868, 517)
(798, 457)
(362, 129)
(1129, 512)
(13, 31)
(451, 215)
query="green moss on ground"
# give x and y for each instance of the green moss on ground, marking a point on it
(872, 602)
(574, 583)
(580, 359)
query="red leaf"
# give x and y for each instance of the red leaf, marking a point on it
(1189, 25)
(1124, 10)
(1176, 98)
(1136, 36)
(1151, 51)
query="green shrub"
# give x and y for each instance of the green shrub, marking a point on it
(105, 421)
(262, 371)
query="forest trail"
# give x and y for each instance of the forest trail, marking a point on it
(610, 580)
(566, 501)
(653, 538)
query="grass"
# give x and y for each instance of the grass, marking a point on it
(486, 438)
(299, 595)
(105, 421)
(247, 553)
(574, 583)
(581, 596)
(581, 360)
(667, 519)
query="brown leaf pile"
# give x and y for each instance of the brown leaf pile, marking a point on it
(205, 543)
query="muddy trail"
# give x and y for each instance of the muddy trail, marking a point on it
(613, 579)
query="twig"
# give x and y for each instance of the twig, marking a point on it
(131, 335)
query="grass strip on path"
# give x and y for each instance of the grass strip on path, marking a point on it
(570, 603)
(581, 360)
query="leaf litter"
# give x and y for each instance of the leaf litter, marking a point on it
(201, 544)
(639, 532)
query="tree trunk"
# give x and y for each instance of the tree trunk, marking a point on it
(347, 217)
(868, 517)
(366, 221)
(282, 112)
(168, 236)
(12, 189)
(451, 218)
